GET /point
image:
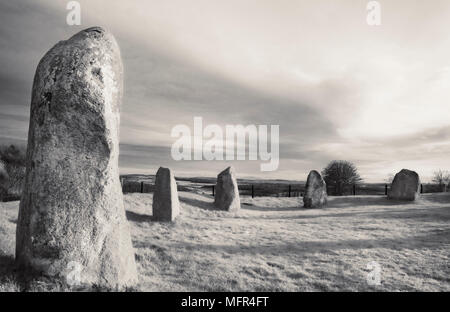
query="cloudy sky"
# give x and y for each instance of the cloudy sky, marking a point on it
(338, 88)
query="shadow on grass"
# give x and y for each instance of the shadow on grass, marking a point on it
(24, 280)
(12, 279)
(137, 217)
(206, 205)
(7, 268)
(441, 214)
(424, 214)
(333, 202)
(265, 208)
(441, 198)
(436, 240)
(359, 201)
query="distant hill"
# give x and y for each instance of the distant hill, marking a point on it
(208, 180)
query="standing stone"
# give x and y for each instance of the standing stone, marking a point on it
(72, 222)
(405, 186)
(316, 191)
(166, 205)
(227, 192)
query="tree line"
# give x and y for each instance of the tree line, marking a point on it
(12, 170)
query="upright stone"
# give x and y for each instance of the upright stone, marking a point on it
(71, 211)
(227, 192)
(405, 186)
(166, 205)
(315, 192)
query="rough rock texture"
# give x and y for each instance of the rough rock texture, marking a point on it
(315, 192)
(71, 211)
(166, 205)
(227, 192)
(405, 185)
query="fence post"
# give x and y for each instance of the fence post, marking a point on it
(421, 188)
(354, 189)
(142, 186)
(213, 190)
(385, 189)
(253, 191)
(289, 193)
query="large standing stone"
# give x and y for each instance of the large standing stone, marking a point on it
(405, 186)
(227, 192)
(166, 205)
(315, 192)
(72, 217)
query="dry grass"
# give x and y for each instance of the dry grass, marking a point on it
(274, 245)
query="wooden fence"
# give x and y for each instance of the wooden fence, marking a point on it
(265, 189)
(279, 189)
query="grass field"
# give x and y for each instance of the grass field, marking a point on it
(274, 245)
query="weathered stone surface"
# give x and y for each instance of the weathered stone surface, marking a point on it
(315, 192)
(166, 205)
(405, 186)
(227, 192)
(71, 210)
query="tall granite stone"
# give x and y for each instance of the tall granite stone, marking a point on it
(405, 186)
(227, 192)
(71, 211)
(315, 192)
(166, 206)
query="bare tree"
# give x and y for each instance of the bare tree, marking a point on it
(13, 160)
(389, 178)
(441, 177)
(340, 174)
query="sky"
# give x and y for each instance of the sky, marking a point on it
(337, 87)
